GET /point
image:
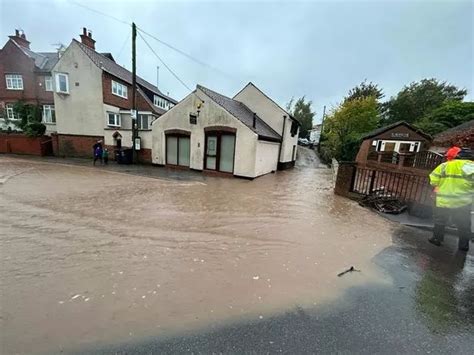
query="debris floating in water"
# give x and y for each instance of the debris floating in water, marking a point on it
(351, 269)
(75, 296)
(86, 299)
(256, 277)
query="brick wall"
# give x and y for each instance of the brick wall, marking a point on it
(14, 61)
(118, 101)
(21, 144)
(76, 146)
(345, 174)
(363, 151)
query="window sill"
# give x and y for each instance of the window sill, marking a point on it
(144, 130)
(15, 89)
(49, 123)
(122, 97)
(113, 126)
(62, 93)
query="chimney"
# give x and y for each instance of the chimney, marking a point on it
(86, 38)
(254, 119)
(20, 38)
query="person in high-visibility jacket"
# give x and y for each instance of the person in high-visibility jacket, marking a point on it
(453, 183)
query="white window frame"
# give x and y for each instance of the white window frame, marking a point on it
(49, 114)
(119, 89)
(161, 102)
(140, 121)
(14, 81)
(11, 115)
(58, 86)
(48, 83)
(117, 119)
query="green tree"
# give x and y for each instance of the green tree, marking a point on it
(451, 114)
(364, 90)
(345, 126)
(419, 99)
(302, 111)
(29, 120)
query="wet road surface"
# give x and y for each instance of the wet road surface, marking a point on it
(99, 261)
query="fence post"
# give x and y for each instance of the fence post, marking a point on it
(372, 181)
(345, 178)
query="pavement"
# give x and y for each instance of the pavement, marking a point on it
(427, 308)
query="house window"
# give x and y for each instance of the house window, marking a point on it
(143, 122)
(14, 81)
(294, 128)
(11, 114)
(48, 83)
(160, 102)
(62, 83)
(113, 119)
(49, 115)
(119, 89)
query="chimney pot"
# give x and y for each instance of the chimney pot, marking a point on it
(17, 33)
(86, 38)
(20, 38)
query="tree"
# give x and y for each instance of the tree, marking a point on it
(363, 90)
(303, 113)
(419, 99)
(29, 120)
(451, 114)
(345, 126)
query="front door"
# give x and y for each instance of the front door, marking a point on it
(220, 148)
(177, 150)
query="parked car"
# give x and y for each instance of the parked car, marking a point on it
(303, 141)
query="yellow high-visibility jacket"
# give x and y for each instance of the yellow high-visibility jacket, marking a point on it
(454, 180)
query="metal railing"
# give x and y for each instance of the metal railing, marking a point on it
(406, 187)
(425, 160)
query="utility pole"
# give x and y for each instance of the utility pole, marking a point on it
(133, 113)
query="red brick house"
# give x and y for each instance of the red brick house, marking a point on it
(93, 102)
(399, 137)
(25, 75)
(462, 136)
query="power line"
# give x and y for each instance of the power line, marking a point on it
(189, 56)
(161, 60)
(183, 53)
(100, 12)
(123, 46)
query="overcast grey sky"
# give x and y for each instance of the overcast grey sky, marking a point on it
(319, 49)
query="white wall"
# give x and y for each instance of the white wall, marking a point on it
(272, 114)
(210, 114)
(267, 157)
(81, 111)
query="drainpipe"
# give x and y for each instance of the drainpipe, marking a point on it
(282, 136)
(254, 119)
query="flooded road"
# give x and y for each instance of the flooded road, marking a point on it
(92, 257)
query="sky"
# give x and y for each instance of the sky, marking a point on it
(316, 49)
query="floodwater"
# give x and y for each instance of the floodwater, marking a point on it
(91, 256)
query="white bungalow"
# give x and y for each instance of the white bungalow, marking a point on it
(245, 136)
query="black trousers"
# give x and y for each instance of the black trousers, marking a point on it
(460, 216)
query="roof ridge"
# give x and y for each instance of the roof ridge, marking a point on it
(109, 62)
(244, 107)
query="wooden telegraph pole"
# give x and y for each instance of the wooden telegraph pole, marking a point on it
(134, 92)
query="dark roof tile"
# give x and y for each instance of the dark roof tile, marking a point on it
(242, 113)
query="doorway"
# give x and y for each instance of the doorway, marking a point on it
(220, 151)
(178, 150)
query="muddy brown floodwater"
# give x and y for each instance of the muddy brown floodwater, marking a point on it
(99, 257)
